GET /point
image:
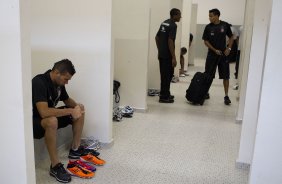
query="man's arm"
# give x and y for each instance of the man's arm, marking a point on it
(229, 46)
(172, 51)
(71, 103)
(157, 39)
(46, 112)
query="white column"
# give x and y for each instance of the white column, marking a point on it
(253, 83)
(179, 5)
(267, 160)
(193, 30)
(131, 48)
(246, 41)
(17, 156)
(159, 12)
(186, 26)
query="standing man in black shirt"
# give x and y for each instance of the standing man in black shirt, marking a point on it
(165, 40)
(215, 39)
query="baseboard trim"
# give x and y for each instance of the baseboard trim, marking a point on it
(239, 121)
(141, 110)
(108, 145)
(244, 166)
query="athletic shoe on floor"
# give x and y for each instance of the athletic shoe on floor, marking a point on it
(235, 87)
(60, 173)
(126, 113)
(130, 109)
(92, 159)
(91, 151)
(227, 101)
(175, 80)
(78, 171)
(84, 165)
(90, 143)
(117, 115)
(76, 154)
(81, 151)
(164, 100)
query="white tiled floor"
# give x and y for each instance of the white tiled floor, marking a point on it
(172, 143)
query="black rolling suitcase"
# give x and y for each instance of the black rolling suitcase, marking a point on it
(200, 85)
(198, 88)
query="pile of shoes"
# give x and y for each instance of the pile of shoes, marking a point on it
(127, 112)
(82, 161)
(117, 114)
(153, 92)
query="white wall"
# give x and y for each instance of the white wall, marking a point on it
(81, 32)
(159, 12)
(131, 36)
(193, 30)
(186, 26)
(267, 160)
(15, 96)
(231, 11)
(246, 42)
(253, 85)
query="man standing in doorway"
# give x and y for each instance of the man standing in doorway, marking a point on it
(215, 39)
(165, 40)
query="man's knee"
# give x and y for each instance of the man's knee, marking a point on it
(50, 123)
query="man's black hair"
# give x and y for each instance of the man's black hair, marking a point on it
(64, 66)
(215, 11)
(174, 11)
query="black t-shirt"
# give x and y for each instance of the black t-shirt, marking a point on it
(167, 30)
(216, 34)
(44, 90)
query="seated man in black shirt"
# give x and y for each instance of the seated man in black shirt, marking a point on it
(47, 90)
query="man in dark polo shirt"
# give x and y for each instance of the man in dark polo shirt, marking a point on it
(215, 39)
(165, 40)
(47, 90)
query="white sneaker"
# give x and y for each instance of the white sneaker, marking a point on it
(175, 80)
(182, 75)
(235, 87)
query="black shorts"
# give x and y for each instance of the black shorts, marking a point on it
(223, 65)
(39, 131)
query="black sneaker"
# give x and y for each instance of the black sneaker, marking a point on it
(207, 96)
(227, 100)
(166, 100)
(60, 173)
(171, 97)
(91, 151)
(75, 154)
(81, 152)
